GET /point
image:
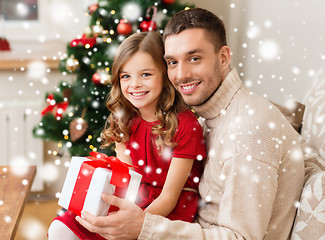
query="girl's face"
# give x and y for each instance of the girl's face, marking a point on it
(141, 83)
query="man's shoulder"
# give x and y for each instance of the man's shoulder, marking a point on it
(254, 105)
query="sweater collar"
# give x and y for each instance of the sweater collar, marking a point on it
(221, 98)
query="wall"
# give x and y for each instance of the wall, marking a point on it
(278, 46)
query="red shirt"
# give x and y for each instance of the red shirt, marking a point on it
(154, 166)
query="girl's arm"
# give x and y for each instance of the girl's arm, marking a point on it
(178, 173)
(121, 153)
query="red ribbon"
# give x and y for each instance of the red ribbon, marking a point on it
(83, 41)
(60, 107)
(120, 178)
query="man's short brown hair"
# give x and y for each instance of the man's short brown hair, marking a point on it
(198, 18)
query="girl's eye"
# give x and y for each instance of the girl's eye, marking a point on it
(146, 74)
(125, 76)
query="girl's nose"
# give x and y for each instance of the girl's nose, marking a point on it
(135, 82)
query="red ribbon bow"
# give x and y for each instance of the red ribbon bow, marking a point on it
(120, 170)
(60, 107)
(120, 178)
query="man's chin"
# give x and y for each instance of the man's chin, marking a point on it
(190, 101)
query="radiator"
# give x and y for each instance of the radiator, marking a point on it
(18, 147)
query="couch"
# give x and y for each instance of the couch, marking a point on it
(309, 223)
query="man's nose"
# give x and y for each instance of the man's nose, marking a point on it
(183, 71)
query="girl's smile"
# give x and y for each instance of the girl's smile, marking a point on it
(138, 94)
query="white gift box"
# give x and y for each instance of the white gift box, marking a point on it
(100, 183)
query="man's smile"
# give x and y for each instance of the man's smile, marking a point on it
(188, 88)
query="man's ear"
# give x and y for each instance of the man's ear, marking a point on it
(225, 57)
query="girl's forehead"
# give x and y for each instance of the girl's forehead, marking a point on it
(139, 61)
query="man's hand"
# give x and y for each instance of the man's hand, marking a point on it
(124, 224)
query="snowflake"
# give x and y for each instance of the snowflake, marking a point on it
(253, 32)
(36, 70)
(212, 153)
(65, 132)
(296, 204)
(140, 162)
(147, 169)
(167, 153)
(58, 195)
(95, 104)
(25, 182)
(249, 158)
(131, 11)
(297, 154)
(49, 172)
(223, 112)
(271, 125)
(208, 198)
(127, 152)
(232, 136)
(255, 178)
(19, 165)
(135, 145)
(161, 227)
(32, 228)
(196, 179)
(7, 219)
(268, 50)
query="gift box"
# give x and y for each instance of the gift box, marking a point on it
(88, 177)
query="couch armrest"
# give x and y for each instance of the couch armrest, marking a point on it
(310, 218)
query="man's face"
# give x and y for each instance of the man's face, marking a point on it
(193, 65)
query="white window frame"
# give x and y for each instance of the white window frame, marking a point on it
(45, 36)
(29, 29)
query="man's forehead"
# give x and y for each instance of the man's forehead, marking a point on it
(185, 43)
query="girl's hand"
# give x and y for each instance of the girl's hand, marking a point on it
(125, 224)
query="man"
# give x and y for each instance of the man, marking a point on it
(254, 171)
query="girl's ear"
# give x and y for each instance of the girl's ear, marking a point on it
(225, 57)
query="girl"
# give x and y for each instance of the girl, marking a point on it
(154, 131)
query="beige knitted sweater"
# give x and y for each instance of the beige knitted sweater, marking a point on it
(253, 174)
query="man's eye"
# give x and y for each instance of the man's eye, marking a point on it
(171, 63)
(194, 59)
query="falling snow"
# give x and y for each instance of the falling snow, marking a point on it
(273, 60)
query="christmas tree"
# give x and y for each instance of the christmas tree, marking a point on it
(76, 111)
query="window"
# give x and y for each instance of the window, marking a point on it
(19, 9)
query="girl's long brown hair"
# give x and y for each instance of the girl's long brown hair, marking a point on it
(117, 127)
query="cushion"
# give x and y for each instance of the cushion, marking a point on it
(293, 112)
(313, 129)
(310, 219)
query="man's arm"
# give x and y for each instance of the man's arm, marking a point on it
(130, 222)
